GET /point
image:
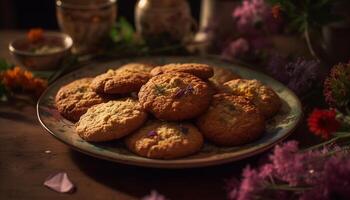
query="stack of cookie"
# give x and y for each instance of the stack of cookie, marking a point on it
(165, 112)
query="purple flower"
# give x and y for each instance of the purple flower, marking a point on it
(334, 182)
(337, 177)
(232, 188)
(296, 168)
(235, 49)
(251, 184)
(154, 196)
(254, 17)
(266, 170)
(300, 75)
(152, 133)
(324, 174)
(275, 67)
(303, 75)
(182, 92)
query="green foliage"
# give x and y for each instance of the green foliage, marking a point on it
(305, 14)
(122, 31)
(4, 65)
(124, 41)
(3, 91)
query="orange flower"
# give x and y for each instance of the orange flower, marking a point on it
(276, 11)
(35, 35)
(18, 78)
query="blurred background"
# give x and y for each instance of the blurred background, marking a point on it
(24, 14)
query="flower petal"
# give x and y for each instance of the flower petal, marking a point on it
(59, 182)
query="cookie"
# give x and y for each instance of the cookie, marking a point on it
(231, 120)
(175, 96)
(74, 99)
(137, 67)
(202, 71)
(111, 120)
(261, 95)
(221, 76)
(165, 140)
(121, 81)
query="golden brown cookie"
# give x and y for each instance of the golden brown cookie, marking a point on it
(175, 96)
(221, 76)
(111, 120)
(202, 71)
(137, 67)
(231, 120)
(121, 81)
(73, 99)
(165, 140)
(261, 95)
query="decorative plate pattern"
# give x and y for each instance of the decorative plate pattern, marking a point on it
(277, 129)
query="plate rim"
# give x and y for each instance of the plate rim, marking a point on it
(172, 164)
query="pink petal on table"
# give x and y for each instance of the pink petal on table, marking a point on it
(59, 182)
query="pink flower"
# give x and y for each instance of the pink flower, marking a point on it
(251, 184)
(235, 49)
(318, 174)
(254, 17)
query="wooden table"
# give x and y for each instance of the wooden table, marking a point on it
(24, 165)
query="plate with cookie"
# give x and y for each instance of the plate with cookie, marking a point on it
(169, 112)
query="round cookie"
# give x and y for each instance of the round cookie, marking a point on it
(74, 99)
(221, 76)
(111, 120)
(121, 81)
(175, 96)
(231, 120)
(137, 67)
(165, 140)
(261, 95)
(202, 71)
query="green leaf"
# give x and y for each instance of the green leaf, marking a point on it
(4, 65)
(127, 30)
(311, 13)
(122, 31)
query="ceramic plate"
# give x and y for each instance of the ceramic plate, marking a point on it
(277, 129)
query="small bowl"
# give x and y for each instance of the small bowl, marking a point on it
(22, 50)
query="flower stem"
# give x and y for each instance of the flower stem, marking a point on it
(288, 188)
(338, 137)
(309, 43)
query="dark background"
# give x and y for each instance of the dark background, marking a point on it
(25, 14)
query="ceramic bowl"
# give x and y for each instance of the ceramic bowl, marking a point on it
(21, 50)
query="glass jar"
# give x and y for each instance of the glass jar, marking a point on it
(164, 23)
(88, 22)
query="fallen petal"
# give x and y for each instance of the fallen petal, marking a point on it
(59, 182)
